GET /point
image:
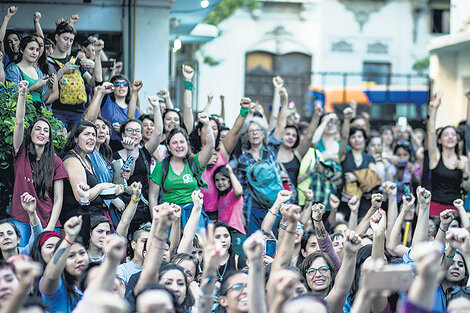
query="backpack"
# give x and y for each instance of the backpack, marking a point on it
(71, 86)
(192, 166)
(264, 182)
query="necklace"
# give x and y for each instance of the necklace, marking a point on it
(84, 162)
(223, 273)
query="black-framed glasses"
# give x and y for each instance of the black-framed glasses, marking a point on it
(322, 270)
(133, 130)
(123, 84)
(237, 287)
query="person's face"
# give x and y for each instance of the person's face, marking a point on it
(374, 143)
(197, 253)
(14, 43)
(458, 305)
(299, 233)
(172, 120)
(148, 128)
(49, 47)
(431, 228)
(87, 140)
(303, 306)
(166, 253)
(103, 131)
(48, 248)
(402, 154)
(255, 134)
(121, 88)
(222, 238)
(8, 237)
(359, 123)
(77, 260)
(340, 229)
(311, 247)
(236, 299)
(317, 281)
(290, 136)
(357, 140)
(387, 137)
(223, 133)
(448, 138)
(8, 284)
(64, 42)
(419, 134)
(338, 246)
(41, 45)
(155, 301)
(332, 126)
(189, 269)
(178, 146)
(215, 131)
(173, 280)
(222, 182)
(98, 235)
(90, 51)
(403, 135)
(133, 130)
(138, 246)
(31, 52)
(40, 133)
(456, 271)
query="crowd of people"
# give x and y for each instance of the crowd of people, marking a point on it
(156, 211)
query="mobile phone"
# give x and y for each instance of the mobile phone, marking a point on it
(394, 277)
(402, 123)
(402, 163)
(378, 150)
(107, 63)
(270, 247)
(407, 188)
(130, 160)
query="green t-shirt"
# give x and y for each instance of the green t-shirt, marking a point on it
(177, 188)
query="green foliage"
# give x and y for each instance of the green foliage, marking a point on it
(226, 8)
(421, 65)
(8, 100)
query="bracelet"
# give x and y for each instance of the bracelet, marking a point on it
(282, 225)
(85, 202)
(276, 215)
(450, 256)
(162, 240)
(318, 221)
(156, 245)
(442, 229)
(70, 243)
(291, 232)
(207, 280)
(188, 85)
(244, 112)
(134, 200)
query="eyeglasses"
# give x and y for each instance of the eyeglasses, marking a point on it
(133, 130)
(254, 131)
(119, 84)
(322, 270)
(237, 287)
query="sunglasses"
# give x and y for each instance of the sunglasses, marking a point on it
(322, 270)
(123, 84)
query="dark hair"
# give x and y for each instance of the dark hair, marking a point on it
(177, 258)
(23, 44)
(439, 135)
(35, 252)
(122, 129)
(65, 27)
(297, 140)
(179, 115)
(222, 170)
(336, 224)
(121, 77)
(354, 130)
(42, 60)
(225, 282)
(146, 116)
(13, 57)
(195, 137)
(407, 147)
(44, 174)
(105, 149)
(173, 132)
(189, 299)
(312, 257)
(463, 282)
(303, 244)
(5, 264)
(155, 286)
(74, 133)
(35, 301)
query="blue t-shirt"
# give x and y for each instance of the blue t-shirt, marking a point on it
(113, 113)
(58, 302)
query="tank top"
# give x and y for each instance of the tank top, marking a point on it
(36, 94)
(445, 184)
(292, 167)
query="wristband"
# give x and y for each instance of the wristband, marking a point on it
(85, 202)
(162, 240)
(70, 243)
(318, 221)
(450, 256)
(134, 200)
(442, 229)
(276, 215)
(244, 112)
(188, 85)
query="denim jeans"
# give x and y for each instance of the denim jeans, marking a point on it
(186, 210)
(25, 231)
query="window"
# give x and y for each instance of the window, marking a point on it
(440, 21)
(376, 72)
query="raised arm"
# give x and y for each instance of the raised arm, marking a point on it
(37, 25)
(433, 150)
(378, 223)
(2, 70)
(463, 214)
(233, 134)
(306, 216)
(334, 205)
(377, 199)
(94, 108)
(206, 150)
(175, 232)
(3, 28)
(123, 227)
(188, 118)
(18, 131)
(305, 143)
(344, 279)
(98, 70)
(390, 189)
(254, 250)
(422, 224)
(57, 204)
(189, 231)
(281, 121)
(446, 217)
(51, 279)
(154, 141)
(165, 94)
(353, 205)
(268, 222)
(324, 241)
(278, 83)
(348, 114)
(394, 243)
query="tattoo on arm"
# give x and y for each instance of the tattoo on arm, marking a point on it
(58, 255)
(321, 231)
